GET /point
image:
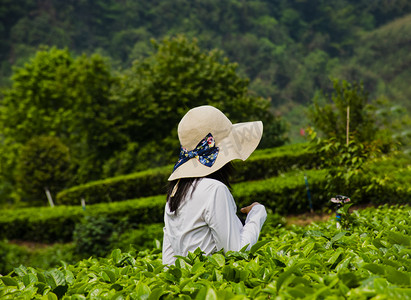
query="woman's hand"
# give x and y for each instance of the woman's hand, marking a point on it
(246, 210)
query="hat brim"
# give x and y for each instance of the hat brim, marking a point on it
(241, 141)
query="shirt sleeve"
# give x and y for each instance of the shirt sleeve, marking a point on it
(168, 252)
(227, 229)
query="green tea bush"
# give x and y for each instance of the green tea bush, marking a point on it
(272, 162)
(141, 184)
(92, 235)
(11, 256)
(144, 237)
(262, 164)
(53, 256)
(283, 194)
(369, 261)
(57, 224)
(42, 224)
(50, 256)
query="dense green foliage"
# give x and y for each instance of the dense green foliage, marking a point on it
(44, 257)
(349, 101)
(381, 61)
(45, 225)
(44, 165)
(261, 164)
(117, 115)
(282, 194)
(92, 240)
(58, 95)
(370, 259)
(348, 135)
(287, 48)
(120, 122)
(156, 92)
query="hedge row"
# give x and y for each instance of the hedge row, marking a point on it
(287, 194)
(262, 164)
(283, 194)
(46, 224)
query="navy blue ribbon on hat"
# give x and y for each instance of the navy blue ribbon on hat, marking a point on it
(206, 152)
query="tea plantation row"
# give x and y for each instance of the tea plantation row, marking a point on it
(282, 194)
(261, 165)
(369, 259)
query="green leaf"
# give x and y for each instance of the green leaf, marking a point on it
(60, 290)
(338, 236)
(143, 291)
(41, 287)
(111, 276)
(377, 243)
(217, 259)
(258, 245)
(380, 285)
(29, 278)
(397, 277)
(206, 293)
(335, 258)
(374, 268)
(21, 270)
(156, 293)
(244, 248)
(296, 293)
(55, 278)
(49, 296)
(116, 256)
(343, 264)
(176, 272)
(285, 275)
(308, 248)
(397, 238)
(349, 279)
(315, 233)
(118, 296)
(69, 276)
(8, 281)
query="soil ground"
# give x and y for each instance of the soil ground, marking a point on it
(308, 218)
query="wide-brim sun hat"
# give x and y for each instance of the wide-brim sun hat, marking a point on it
(229, 141)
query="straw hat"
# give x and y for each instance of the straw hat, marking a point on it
(229, 141)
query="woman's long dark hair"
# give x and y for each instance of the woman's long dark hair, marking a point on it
(184, 185)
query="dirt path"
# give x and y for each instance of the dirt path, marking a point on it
(307, 218)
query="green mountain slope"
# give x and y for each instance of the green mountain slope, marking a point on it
(382, 60)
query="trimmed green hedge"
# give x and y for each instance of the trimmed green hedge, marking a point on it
(268, 163)
(46, 224)
(262, 164)
(283, 194)
(142, 184)
(287, 194)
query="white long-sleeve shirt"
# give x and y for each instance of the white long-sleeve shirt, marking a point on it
(207, 219)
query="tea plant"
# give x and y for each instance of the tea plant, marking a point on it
(371, 260)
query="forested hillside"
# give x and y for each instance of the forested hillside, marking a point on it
(100, 85)
(288, 49)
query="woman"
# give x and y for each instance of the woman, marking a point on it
(200, 210)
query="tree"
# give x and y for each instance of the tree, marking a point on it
(331, 118)
(157, 91)
(58, 95)
(43, 168)
(351, 136)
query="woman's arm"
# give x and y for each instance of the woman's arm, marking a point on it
(227, 230)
